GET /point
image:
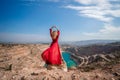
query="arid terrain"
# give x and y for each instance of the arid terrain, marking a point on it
(24, 62)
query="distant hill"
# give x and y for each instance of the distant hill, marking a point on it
(94, 49)
(84, 55)
(88, 42)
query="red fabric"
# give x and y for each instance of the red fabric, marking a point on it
(52, 54)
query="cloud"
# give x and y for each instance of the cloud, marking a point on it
(102, 10)
(40, 0)
(84, 1)
(108, 32)
(62, 1)
(10, 37)
(54, 0)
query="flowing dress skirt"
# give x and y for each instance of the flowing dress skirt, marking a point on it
(52, 55)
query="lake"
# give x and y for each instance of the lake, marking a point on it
(70, 62)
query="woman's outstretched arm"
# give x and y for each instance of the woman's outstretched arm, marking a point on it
(56, 29)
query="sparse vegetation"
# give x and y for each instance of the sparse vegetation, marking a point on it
(23, 62)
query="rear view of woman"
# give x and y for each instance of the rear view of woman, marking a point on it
(52, 55)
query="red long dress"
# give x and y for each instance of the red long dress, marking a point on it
(52, 54)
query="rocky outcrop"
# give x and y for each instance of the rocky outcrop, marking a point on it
(24, 62)
(94, 53)
(85, 60)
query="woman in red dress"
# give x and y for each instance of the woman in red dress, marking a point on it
(52, 55)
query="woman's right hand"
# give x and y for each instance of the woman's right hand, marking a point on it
(53, 27)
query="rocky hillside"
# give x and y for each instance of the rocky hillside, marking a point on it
(94, 53)
(23, 62)
(94, 57)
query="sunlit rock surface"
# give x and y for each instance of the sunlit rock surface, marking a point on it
(24, 62)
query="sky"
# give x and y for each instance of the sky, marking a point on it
(30, 20)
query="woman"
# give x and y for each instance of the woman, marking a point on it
(52, 55)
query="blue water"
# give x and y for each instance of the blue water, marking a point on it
(68, 60)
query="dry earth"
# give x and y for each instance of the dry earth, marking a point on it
(23, 62)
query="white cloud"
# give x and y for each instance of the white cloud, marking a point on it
(96, 2)
(84, 1)
(108, 32)
(102, 10)
(63, 1)
(54, 0)
(11, 37)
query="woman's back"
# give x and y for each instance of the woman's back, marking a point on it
(54, 35)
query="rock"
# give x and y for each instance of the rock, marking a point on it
(23, 65)
(9, 67)
(34, 73)
(23, 78)
(115, 74)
